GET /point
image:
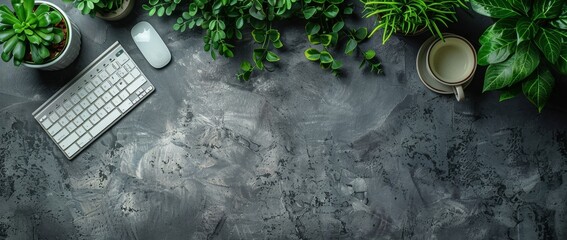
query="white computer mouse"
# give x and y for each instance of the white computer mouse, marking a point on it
(151, 45)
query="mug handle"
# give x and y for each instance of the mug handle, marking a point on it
(459, 93)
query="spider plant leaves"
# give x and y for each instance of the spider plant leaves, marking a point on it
(538, 87)
(549, 42)
(547, 9)
(498, 43)
(515, 69)
(526, 29)
(494, 8)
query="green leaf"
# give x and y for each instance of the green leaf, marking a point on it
(549, 42)
(278, 44)
(547, 9)
(274, 35)
(19, 51)
(338, 26)
(509, 93)
(239, 23)
(526, 29)
(245, 66)
(312, 28)
(259, 35)
(522, 5)
(160, 11)
(350, 46)
(90, 4)
(151, 13)
(538, 87)
(326, 57)
(498, 42)
(325, 39)
(348, 10)
(361, 33)
(312, 54)
(257, 14)
(258, 56)
(6, 34)
(561, 64)
(561, 21)
(10, 44)
(331, 11)
(314, 39)
(272, 57)
(336, 65)
(515, 69)
(370, 54)
(308, 12)
(494, 8)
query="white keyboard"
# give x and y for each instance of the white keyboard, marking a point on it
(93, 101)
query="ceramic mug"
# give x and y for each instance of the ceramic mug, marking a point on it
(452, 62)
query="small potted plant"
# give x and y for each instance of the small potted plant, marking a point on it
(109, 10)
(411, 17)
(38, 34)
(525, 49)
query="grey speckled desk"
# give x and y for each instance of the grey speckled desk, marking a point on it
(293, 154)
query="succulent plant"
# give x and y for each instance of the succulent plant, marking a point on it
(95, 6)
(28, 29)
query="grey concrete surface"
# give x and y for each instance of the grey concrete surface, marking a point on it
(295, 153)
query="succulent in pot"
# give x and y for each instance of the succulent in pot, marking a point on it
(411, 17)
(525, 45)
(38, 34)
(110, 10)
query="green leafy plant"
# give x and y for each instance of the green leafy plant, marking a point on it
(523, 47)
(226, 22)
(92, 7)
(411, 16)
(29, 32)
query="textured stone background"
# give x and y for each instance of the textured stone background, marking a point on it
(295, 153)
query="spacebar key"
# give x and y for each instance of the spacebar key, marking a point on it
(105, 122)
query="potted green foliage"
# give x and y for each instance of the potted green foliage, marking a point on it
(523, 47)
(410, 17)
(225, 23)
(38, 34)
(110, 10)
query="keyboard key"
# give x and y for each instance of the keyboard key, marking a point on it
(89, 87)
(71, 127)
(60, 111)
(61, 135)
(85, 103)
(87, 125)
(122, 72)
(101, 113)
(122, 59)
(104, 122)
(128, 78)
(99, 103)
(91, 97)
(54, 129)
(46, 123)
(92, 109)
(96, 81)
(75, 99)
(84, 140)
(114, 91)
(130, 65)
(98, 91)
(53, 117)
(94, 119)
(135, 72)
(123, 95)
(71, 115)
(69, 140)
(135, 85)
(80, 131)
(125, 105)
(108, 107)
(105, 85)
(67, 105)
(82, 93)
(116, 101)
(103, 75)
(114, 79)
(78, 109)
(78, 120)
(72, 150)
(110, 69)
(120, 85)
(63, 121)
(107, 97)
